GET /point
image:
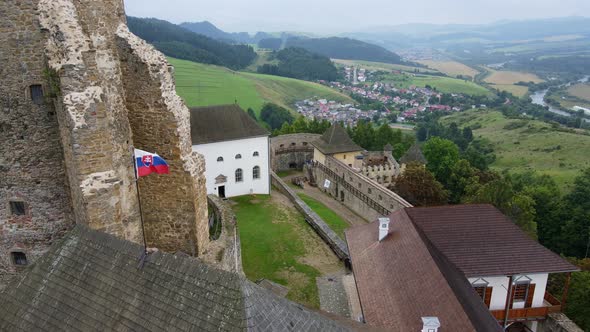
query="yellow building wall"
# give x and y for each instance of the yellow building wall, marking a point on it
(319, 156)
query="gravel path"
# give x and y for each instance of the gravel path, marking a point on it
(340, 209)
(333, 296)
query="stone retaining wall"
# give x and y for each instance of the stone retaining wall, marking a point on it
(225, 252)
(359, 193)
(317, 223)
(558, 322)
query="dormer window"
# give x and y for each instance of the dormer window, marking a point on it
(219, 159)
(238, 156)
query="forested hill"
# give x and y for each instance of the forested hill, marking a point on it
(301, 64)
(178, 42)
(208, 29)
(345, 48)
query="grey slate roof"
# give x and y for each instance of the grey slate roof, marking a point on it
(90, 281)
(212, 124)
(414, 154)
(336, 140)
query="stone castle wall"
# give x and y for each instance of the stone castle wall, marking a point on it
(32, 168)
(358, 192)
(70, 158)
(291, 151)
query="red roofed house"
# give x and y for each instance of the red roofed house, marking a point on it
(456, 263)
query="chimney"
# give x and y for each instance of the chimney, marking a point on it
(430, 324)
(383, 228)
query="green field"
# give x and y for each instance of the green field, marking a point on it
(278, 245)
(333, 220)
(201, 85)
(382, 66)
(534, 145)
(442, 84)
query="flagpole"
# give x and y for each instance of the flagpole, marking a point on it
(139, 202)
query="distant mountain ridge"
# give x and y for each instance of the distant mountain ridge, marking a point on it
(181, 43)
(504, 31)
(208, 29)
(333, 47)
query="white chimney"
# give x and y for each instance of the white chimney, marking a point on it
(383, 228)
(430, 324)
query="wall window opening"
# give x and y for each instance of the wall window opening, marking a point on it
(36, 94)
(19, 258)
(256, 172)
(18, 208)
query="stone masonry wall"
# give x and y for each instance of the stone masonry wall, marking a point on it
(174, 205)
(226, 251)
(94, 128)
(289, 150)
(32, 170)
(558, 322)
(361, 194)
(68, 155)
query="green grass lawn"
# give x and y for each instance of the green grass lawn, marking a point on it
(333, 220)
(201, 85)
(274, 240)
(534, 146)
(442, 84)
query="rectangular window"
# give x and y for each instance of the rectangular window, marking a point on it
(37, 94)
(485, 293)
(19, 258)
(520, 292)
(18, 208)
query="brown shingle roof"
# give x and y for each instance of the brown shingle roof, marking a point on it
(399, 281)
(336, 140)
(414, 154)
(212, 124)
(480, 241)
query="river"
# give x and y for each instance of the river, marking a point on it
(539, 97)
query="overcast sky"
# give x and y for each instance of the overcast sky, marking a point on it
(333, 16)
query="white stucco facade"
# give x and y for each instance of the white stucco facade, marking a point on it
(221, 175)
(500, 289)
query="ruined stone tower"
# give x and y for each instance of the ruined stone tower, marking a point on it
(77, 92)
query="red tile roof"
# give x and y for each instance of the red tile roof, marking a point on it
(480, 241)
(399, 282)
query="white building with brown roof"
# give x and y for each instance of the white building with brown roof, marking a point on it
(468, 265)
(236, 150)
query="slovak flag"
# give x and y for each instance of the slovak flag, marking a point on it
(147, 163)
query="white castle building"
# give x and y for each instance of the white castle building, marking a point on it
(236, 150)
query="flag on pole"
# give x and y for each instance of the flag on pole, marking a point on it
(147, 163)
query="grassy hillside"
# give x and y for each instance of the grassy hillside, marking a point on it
(200, 85)
(441, 83)
(381, 66)
(451, 68)
(530, 145)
